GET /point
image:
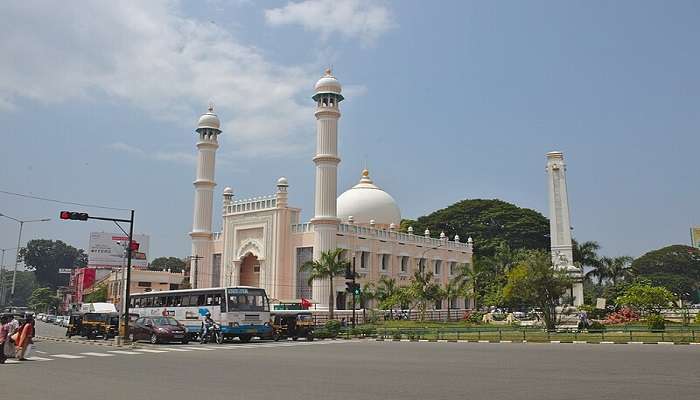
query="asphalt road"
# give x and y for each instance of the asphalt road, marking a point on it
(357, 370)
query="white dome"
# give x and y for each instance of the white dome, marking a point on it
(365, 202)
(282, 182)
(328, 83)
(209, 120)
(228, 190)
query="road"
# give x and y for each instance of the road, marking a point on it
(357, 370)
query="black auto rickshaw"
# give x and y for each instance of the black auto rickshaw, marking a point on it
(292, 324)
(75, 322)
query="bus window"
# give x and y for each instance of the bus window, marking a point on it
(147, 301)
(201, 300)
(176, 301)
(186, 301)
(157, 302)
(137, 302)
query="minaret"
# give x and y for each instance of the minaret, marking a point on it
(325, 221)
(208, 131)
(560, 223)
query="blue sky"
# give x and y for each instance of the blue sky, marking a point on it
(444, 101)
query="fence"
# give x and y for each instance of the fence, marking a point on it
(320, 317)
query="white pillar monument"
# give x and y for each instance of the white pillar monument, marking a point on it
(325, 221)
(208, 129)
(560, 223)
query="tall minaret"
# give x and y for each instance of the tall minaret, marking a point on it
(560, 223)
(325, 221)
(208, 131)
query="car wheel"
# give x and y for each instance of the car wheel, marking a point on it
(154, 338)
(295, 338)
(245, 338)
(309, 338)
(185, 341)
(131, 338)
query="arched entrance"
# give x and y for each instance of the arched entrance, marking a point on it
(250, 271)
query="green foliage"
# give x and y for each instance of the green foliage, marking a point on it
(596, 326)
(697, 318)
(46, 257)
(675, 267)
(643, 297)
(329, 265)
(332, 326)
(423, 290)
(656, 322)
(533, 281)
(99, 295)
(489, 223)
(43, 299)
(24, 285)
(475, 317)
(164, 263)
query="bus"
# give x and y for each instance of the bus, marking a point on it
(241, 311)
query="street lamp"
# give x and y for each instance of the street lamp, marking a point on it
(19, 239)
(2, 275)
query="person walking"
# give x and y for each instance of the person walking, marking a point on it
(24, 342)
(4, 336)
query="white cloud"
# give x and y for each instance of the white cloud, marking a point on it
(151, 56)
(363, 19)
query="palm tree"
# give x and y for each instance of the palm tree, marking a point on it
(367, 292)
(453, 290)
(586, 254)
(386, 287)
(619, 268)
(423, 289)
(329, 265)
(468, 279)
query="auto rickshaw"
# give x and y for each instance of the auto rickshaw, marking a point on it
(75, 322)
(292, 324)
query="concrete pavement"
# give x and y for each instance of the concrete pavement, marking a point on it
(359, 370)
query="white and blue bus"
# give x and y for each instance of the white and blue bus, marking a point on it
(242, 311)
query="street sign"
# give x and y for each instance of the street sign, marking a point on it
(65, 270)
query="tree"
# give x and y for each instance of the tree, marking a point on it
(534, 281)
(43, 299)
(677, 263)
(46, 257)
(367, 293)
(164, 263)
(98, 295)
(619, 268)
(489, 223)
(25, 284)
(643, 297)
(453, 290)
(329, 265)
(586, 253)
(386, 287)
(423, 289)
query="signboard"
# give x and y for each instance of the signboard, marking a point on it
(65, 270)
(107, 250)
(695, 237)
(600, 303)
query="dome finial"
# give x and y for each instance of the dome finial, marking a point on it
(211, 107)
(328, 71)
(365, 173)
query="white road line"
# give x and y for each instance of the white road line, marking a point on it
(43, 352)
(39, 358)
(580, 342)
(12, 362)
(175, 349)
(606, 342)
(123, 352)
(98, 354)
(151, 351)
(198, 348)
(68, 356)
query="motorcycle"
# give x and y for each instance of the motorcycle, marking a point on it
(213, 333)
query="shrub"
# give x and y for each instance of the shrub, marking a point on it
(474, 317)
(596, 326)
(697, 318)
(656, 322)
(332, 327)
(396, 335)
(622, 316)
(373, 317)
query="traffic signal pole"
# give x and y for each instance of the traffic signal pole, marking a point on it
(124, 323)
(354, 298)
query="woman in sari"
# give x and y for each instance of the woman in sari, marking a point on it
(26, 333)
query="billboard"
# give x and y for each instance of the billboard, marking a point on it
(107, 250)
(695, 237)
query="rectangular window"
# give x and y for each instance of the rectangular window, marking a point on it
(421, 265)
(144, 284)
(201, 300)
(364, 260)
(453, 267)
(385, 262)
(304, 254)
(147, 301)
(216, 270)
(438, 267)
(404, 264)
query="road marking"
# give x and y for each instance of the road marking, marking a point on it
(664, 342)
(175, 349)
(198, 348)
(635, 342)
(68, 356)
(607, 342)
(41, 352)
(551, 341)
(12, 362)
(98, 354)
(580, 342)
(151, 351)
(123, 352)
(480, 341)
(39, 358)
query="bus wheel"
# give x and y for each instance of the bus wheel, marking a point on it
(245, 338)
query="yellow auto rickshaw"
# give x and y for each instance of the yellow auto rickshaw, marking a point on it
(292, 324)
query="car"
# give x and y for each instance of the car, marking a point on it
(158, 330)
(50, 318)
(58, 320)
(40, 316)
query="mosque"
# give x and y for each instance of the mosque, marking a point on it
(263, 241)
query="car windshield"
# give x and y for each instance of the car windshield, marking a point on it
(240, 299)
(162, 321)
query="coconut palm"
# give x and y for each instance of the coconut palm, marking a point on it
(619, 268)
(469, 279)
(453, 290)
(329, 265)
(367, 293)
(423, 289)
(386, 287)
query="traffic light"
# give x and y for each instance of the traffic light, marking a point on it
(134, 245)
(74, 215)
(350, 287)
(348, 273)
(356, 289)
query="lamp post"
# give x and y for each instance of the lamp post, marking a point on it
(19, 239)
(2, 275)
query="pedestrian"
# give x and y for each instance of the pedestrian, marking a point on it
(12, 327)
(24, 343)
(4, 336)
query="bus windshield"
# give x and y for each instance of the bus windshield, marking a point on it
(241, 299)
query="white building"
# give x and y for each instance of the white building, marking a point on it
(264, 242)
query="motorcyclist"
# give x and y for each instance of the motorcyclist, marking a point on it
(207, 325)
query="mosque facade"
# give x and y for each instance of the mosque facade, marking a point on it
(264, 242)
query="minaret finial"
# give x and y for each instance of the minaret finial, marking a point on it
(328, 71)
(211, 107)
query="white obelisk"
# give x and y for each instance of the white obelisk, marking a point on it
(325, 221)
(208, 129)
(560, 223)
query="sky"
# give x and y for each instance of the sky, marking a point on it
(444, 101)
